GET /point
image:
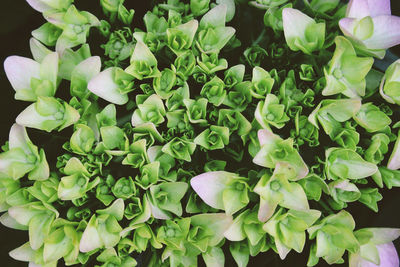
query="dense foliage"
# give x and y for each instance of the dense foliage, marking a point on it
(218, 127)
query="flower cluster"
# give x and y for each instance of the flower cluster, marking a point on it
(205, 128)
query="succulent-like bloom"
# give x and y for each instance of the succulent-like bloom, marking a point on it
(48, 114)
(288, 229)
(150, 109)
(334, 235)
(302, 32)
(331, 114)
(164, 83)
(234, 75)
(82, 74)
(239, 96)
(344, 163)
(207, 229)
(38, 217)
(371, 27)
(216, 137)
(114, 141)
(165, 199)
(271, 112)
(23, 157)
(77, 182)
(221, 190)
(212, 34)
(279, 190)
(371, 118)
(343, 191)
(199, 7)
(262, 83)
(214, 91)
(143, 62)
(82, 139)
(112, 84)
(378, 148)
(103, 230)
(346, 72)
(31, 79)
(275, 150)
(390, 85)
(180, 38)
(234, 121)
(75, 26)
(376, 248)
(196, 110)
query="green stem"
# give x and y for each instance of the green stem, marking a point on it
(260, 37)
(325, 206)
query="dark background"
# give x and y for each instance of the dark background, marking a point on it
(18, 19)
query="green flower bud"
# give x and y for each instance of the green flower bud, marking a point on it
(179, 148)
(302, 32)
(124, 188)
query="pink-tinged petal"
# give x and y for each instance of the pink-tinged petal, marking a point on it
(20, 70)
(103, 85)
(387, 254)
(386, 32)
(379, 7)
(157, 213)
(39, 5)
(266, 209)
(357, 9)
(266, 137)
(347, 26)
(209, 187)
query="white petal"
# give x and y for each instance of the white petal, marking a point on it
(266, 137)
(294, 23)
(209, 187)
(358, 9)
(20, 70)
(90, 238)
(377, 8)
(19, 138)
(103, 85)
(30, 118)
(23, 253)
(38, 50)
(89, 68)
(215, 17)
(386, 32)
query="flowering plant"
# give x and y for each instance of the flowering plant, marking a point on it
(202, 129)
